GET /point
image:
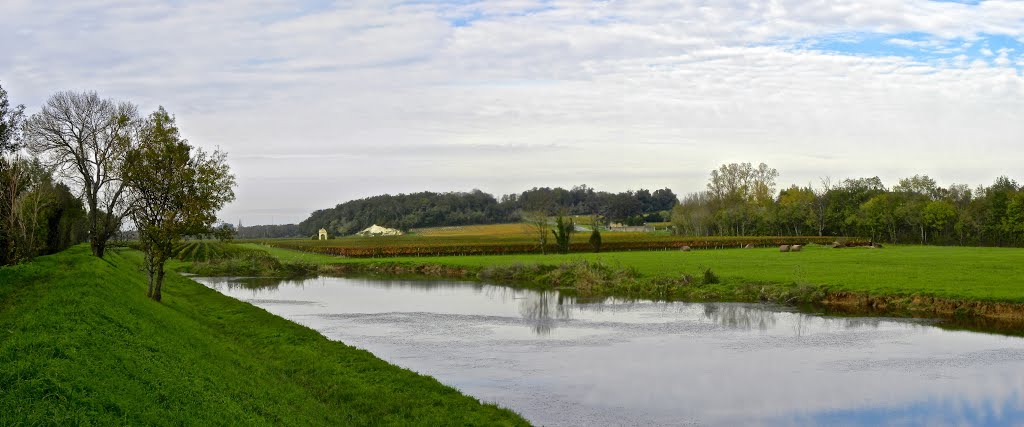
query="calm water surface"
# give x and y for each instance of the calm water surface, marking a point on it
(559, 361)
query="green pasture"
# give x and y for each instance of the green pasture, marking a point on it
(990, 274)
(80, 344)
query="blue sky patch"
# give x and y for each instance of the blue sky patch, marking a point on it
(921, 47)
(987, 412)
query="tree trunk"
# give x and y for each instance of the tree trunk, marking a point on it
(150, 273)
(96, 242)
(159, 281)
(99, 247)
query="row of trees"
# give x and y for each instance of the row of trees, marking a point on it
(86, 167)
(427, 209)
(38, 214)
(740, 199)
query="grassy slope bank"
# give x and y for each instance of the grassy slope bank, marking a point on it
(990, 274)
(915, 280)
(80, 344)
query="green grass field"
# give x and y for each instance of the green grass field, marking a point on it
(987, 274)
(82, 345)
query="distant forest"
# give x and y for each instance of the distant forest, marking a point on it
(739, 200)
(428, 209)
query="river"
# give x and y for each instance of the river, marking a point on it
(561, 361)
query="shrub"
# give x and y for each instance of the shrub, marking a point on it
(710, 277)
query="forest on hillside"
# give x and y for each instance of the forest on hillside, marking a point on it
(429, 209)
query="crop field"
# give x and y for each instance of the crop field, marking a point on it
(508, 239)
(514, 229)
(205, 250)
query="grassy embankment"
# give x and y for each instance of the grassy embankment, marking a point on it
(915, 280)
(81, 345)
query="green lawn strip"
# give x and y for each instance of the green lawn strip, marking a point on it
(956, 273)
(81, 344)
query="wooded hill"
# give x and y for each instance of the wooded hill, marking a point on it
(428, 209)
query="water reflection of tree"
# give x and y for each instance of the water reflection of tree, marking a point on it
(736, 316)
(543, 310)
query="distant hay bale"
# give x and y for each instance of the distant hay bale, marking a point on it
(784, 248)
(795, 248)
(685, 249)
(749, 246)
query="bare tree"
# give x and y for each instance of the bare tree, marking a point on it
(537, 222)
(86, 139)
(821, 202)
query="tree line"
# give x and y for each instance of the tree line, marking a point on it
(429, 209)
(740, 200)
(39, 214)
(85, 168)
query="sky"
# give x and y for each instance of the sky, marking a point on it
(318, 102)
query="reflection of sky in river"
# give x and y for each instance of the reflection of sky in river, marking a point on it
(562, 362)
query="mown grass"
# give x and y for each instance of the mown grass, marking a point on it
(985, 274)
(82, 345)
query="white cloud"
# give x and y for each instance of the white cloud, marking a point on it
(635, 94)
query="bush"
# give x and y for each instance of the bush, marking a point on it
(710, 277)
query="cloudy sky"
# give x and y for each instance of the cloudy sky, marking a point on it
(319, 102)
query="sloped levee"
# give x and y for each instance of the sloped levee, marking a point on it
(82, 345)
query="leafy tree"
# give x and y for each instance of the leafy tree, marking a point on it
(997, 198)
(880, 213)
(921, 185)
(1013, 221)
(595, 234)
(564, 227)
(12, 178)
(664, 199)
(86, 139)
(39, 216)
(176, 189)
(844, 201)
(11, 118)
(620, 207)
(742, 194)
(795, 209)
(939, 215)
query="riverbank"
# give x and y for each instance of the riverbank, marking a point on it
(983, 286)
(83, 345)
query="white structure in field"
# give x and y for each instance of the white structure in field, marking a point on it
(323, 234)
(376, 230)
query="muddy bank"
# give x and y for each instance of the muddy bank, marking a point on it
(925, 306)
